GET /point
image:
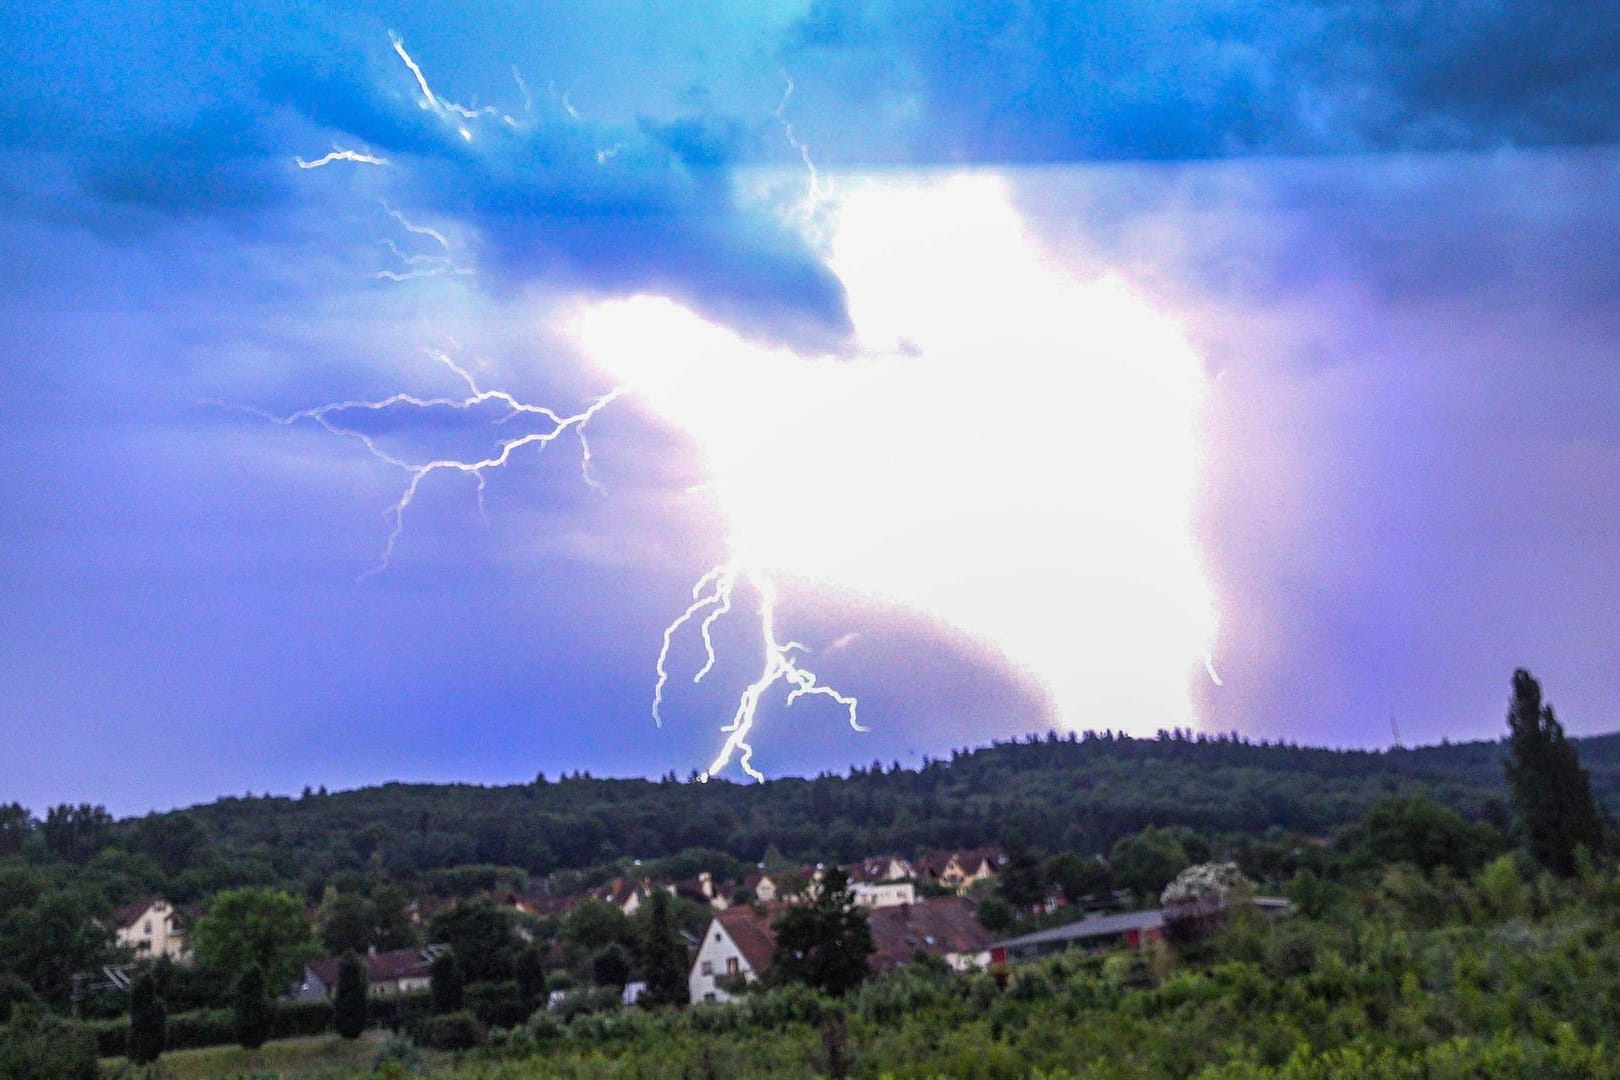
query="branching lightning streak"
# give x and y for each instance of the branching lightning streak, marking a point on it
(713, 595)
(338, 153)
(450, 111)
(814, 194)
(326, 416)
(779, 666)
(419, 265)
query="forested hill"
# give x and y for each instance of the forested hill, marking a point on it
(1053, 794)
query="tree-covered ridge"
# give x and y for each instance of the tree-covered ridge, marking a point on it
(1050, 793)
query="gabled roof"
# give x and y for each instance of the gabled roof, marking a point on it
(874, 870)
(752, 933)
(938, 926)
(382, 967)
(130, 914)
(1096, 926)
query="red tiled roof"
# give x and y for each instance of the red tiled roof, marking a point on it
(380, 967)
(944, 924)
(130, 914)
(752, 932)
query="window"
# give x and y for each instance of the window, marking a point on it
(148, 927)
(708, 967)
(709, 996)
(717, 935)
(732, 967)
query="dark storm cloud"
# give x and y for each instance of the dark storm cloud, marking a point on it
(1048, 80)
(643, 202)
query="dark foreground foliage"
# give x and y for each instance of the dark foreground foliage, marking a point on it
(1368, 990)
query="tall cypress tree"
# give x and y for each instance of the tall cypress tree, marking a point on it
(445, 983)
(253, 1012)
(530, 972)
(148, 1021)
(1551, 792)
(666, 961)
(349, 1003)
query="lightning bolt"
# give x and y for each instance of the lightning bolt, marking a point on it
(714, 594)
(329, 416)
(814, 192)
(451, 112)
(779, 667)
(338, 153)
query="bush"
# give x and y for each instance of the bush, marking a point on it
(14, 992)
(794, 1003)
(295, 1018)
(396, 1055)
(454, 1031)
(202, 1027)
(398, 1012)
(498, 1004)
(37, 1046)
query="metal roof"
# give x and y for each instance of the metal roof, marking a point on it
(1092, 927)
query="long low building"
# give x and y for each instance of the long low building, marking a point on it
(1127, 929)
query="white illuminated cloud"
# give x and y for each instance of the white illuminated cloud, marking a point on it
(1015, 454)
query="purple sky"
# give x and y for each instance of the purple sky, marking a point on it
(1399, 269)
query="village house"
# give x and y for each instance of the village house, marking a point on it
(961, 870)
(703, 889)
(151, 927)
(882, 882)
(736, 949)
(943, 926)
(398, 971)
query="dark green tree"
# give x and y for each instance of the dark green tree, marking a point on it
(1147, 862)
(995, 914)
(258, 926)
(348, 923)
(148, 1021)
(253, 1012)
(663, 954)
(1551, 792)
(481, 936)
(1415, 829)
(445, 982)
(610, 967)
(1020, 882)
(1077, 876)
(349, 1003)
(16, 826)
(824, 943)
(530, 972)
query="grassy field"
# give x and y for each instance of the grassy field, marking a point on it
(314, 1056)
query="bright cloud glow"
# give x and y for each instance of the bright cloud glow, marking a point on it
(1015, 454)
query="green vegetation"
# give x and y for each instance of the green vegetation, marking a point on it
(824, 944)
(349, 1003)
(1450, 920)
(1551, 792)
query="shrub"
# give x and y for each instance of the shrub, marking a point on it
(498, 1004)
(37, 1046)
(14, 992)
(454, 1031)
(294, 1018)
(397, 1055)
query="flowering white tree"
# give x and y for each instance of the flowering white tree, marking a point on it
(1197, 901)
